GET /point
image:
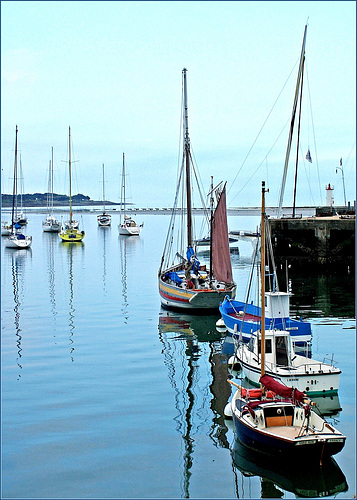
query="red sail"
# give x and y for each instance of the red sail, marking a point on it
(221, 260)
(286, 392)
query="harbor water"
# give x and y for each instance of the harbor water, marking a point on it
(107, 395)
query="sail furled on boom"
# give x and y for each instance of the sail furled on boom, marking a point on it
(221, 260)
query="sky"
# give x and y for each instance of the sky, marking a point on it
(112, 71)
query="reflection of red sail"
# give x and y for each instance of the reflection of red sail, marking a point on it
(221, 260)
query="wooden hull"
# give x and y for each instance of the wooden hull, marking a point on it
(174, 297)
(72, 235)
(316, 442)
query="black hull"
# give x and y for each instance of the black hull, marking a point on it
(279, 447)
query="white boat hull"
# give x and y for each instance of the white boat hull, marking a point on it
(125, 230)
(309, 376)
(104, 220)
(71, 225)
(51, 226)
(15, 242)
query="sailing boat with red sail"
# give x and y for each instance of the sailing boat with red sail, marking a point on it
(276, 419)
(183, 282)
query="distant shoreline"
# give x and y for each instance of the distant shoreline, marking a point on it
(59, 200)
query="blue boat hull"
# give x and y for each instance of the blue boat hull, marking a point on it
(300, 331)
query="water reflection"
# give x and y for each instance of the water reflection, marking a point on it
(104, 233)
(51, 242)
(72, 250)
(277, 477)
(318, 294)
(201, 391)
(18, 258)
(123, 242)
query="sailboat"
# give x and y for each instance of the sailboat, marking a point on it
(71, 233)
(128, 227)
(276, 419)
(16, 239)
(183, 282)
(50, 224)
(104, 219)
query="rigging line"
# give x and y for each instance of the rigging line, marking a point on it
(260, 164)
(265, 121)
(271, 254)
(202, 198)
(313, 133)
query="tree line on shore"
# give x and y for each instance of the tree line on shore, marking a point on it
(40, 199)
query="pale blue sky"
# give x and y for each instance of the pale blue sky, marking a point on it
(112, 71)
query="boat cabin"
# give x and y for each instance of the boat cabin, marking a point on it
(278, 347)
(277, 304)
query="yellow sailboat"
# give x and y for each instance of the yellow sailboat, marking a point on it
(71, 233)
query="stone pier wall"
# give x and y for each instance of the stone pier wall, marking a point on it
(311, 241)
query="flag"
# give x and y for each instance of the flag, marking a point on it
(308, 156)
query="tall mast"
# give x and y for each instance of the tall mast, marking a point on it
(70, 175)
(288, 149)
(103, 191)
(298, 138)
(21, 185)
(14, 197)
(49, 189)
(262, 278)
(210, 233)
(52, 184)
(187, 155)
(122, 201)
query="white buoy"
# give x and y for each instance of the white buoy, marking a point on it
(228, 411)
(220, 325)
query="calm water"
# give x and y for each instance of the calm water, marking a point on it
(106, 395)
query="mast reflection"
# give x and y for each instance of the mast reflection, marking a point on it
(104, 232)
(71, 251)
(51, 242)
(17, 269)
(200, 391)
(125, 304)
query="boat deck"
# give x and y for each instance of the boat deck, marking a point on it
(289, 431)
(247, 317)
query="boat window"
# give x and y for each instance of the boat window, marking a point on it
(281, 347)
(267, 346)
